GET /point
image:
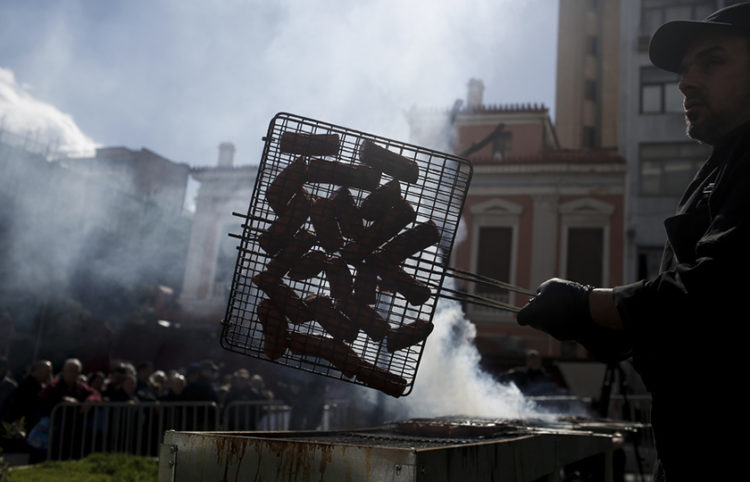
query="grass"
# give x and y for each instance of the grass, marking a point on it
(94, 468)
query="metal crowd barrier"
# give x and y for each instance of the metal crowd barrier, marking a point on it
(78, 429)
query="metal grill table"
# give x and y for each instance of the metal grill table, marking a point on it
(437, 195)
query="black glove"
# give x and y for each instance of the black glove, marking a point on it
(560, 308)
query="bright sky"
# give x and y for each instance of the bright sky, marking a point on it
(179, 77)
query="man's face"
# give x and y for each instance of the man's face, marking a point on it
(715, 80)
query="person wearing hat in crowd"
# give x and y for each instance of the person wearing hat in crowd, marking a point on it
(680, 327)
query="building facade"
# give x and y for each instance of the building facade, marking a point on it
(533, 211)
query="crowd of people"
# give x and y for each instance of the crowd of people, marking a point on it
(27, 399)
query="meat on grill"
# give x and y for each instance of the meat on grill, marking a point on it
(380, 379)
(339, 276)
(338, 354)
(380, 231)
(415, 292)
(322, 215)
(364, 317)
(284, 297)
(308, 266)
(380, 200)
(347, 215)
(289, 257)
(275, 329)
(281, 231)
(408, 335)
(309, 144)
(331, 318)
(411, 241)
(388, 161)
(287, 184)
(341, 174)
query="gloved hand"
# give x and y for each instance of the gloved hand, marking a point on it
(560, 308)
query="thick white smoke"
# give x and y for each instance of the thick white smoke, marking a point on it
(42, 123)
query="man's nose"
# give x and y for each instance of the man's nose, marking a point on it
(688, 81)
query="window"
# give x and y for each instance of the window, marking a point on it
(654, 13)
(659, 91)
(667, 168)
(585, 256)
(589, 90)
(494, 258)
(589, 136)
(592, 45)
(501, 145)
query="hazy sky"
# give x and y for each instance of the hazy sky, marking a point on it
(181, 76)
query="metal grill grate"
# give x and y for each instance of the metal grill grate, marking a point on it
(324, 345)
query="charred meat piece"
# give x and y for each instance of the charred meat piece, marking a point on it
(323, 217)
(389, 162)
(381, 379)
(415, 292)
(340, 174)
(411, 241)
(364, 317)
(287, 184)
(380, 200)
(282, 230)
(335, 352)
(339, 276)
(283, 297)
(365, 284)
(347, 213)
(308, 266)
(289, 257)
(408, 335)
(380, 231)
(309, 144)
(331, 318)
(275, 329)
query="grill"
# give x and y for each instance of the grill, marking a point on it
(363, 317)
(443, 449)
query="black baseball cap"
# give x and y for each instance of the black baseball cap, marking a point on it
(671, 40)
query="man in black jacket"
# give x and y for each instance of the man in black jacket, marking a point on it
(681, 328)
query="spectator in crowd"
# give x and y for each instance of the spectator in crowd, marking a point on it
(67, 387)
(243, 388)
(158, 380)
(174, 387)
(201, 388)
(115, 378)
(144, 390)
(126, 391)
(532, 379)
(7, 386)
(25, 402)
(96, 380)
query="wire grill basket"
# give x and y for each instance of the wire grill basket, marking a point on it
(365, 315)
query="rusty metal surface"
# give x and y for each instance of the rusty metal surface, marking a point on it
(438, 196)
(315, 456)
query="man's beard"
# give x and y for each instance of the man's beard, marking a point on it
(712, 128)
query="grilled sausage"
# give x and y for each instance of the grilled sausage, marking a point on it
(411, 241)
(408, 335)
(322, 215)
(339, 276)
(309, 144)
(331, 319)
(338, 354)
(284, 297)
(275, 329)
(380, 200)
(288, 258)
(289, 221)
(388, 162)
(340, 174)
(380, 379)
(307, 266)
(380, 231)
(364, 317)
(365, 284)
(347, 215)
(287, 184)
(415, 292)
